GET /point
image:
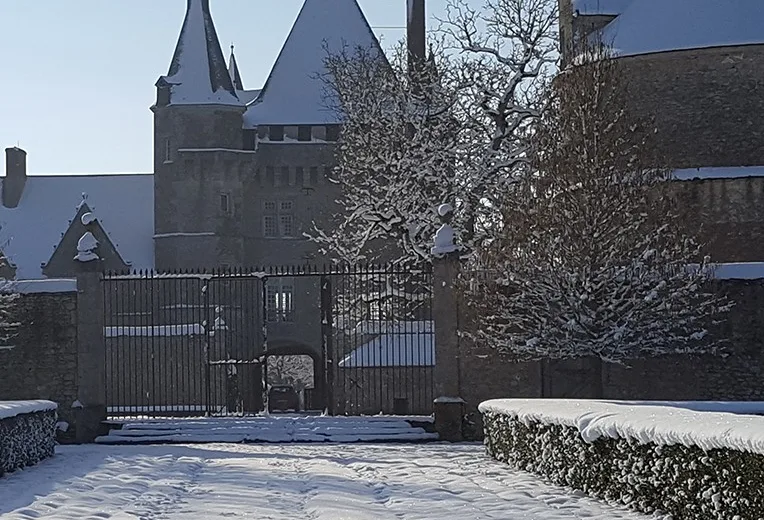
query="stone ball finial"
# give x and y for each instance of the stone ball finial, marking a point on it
(445, 236)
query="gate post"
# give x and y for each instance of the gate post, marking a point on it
(448, 405)
(91, 357)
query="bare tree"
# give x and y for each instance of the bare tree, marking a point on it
(593, 260)
(455, 131)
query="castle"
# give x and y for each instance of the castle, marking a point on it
(239, 174)
(696, 67)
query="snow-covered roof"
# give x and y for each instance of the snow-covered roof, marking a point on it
(413, 349)
(295, 93)
(739, 271)
(604, 7)
(124, 205)
(732, 172)
(648, 26)
(198, 72)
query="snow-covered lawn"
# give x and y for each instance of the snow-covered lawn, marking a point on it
(432, 481)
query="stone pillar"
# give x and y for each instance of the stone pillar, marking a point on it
(448, 406)
(91, 358)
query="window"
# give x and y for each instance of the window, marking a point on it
(225, 204)
(168, 150)
(304, 133)
(286, 225)
(333, 132)
(270, 229)
(276, 133)
(280, 300)
(278, 220)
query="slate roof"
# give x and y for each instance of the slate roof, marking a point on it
(198, 71)
(603, 7)
(650, 26)
(124, 205)
(294, 93)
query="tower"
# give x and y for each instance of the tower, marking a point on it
(196, 110)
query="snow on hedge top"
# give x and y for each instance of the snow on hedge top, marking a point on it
(13, 408)
(644, 422)
(198, 72)
(595, 7)
(648, 26)
(296, 92)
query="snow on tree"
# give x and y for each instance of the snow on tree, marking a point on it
(455, 130)
(593, 260)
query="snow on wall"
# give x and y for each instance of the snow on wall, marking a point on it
(13, 408)
(644, 423)
(736, 172)
(189, 329)
(45, 286)
(649, 26)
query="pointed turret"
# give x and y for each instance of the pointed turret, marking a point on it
(233, 71)
(295, 92)
(198, 74)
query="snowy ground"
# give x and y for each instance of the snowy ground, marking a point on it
(273, 482)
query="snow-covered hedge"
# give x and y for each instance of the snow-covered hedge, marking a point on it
(27, 433)
(692, 465)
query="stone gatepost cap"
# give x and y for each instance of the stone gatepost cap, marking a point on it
(449, 400)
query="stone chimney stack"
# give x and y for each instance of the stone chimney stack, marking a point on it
(566, 30)
(416, 33)
(15, 176)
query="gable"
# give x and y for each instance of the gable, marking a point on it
(658, 26)
(295, 93)
(124, 204)
(70, 257)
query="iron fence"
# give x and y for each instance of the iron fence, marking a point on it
(197, 342)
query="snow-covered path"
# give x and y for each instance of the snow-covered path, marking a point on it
(322, 482)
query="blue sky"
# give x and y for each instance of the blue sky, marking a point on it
(77, 76)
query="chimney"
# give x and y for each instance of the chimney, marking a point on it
(416, 34)
(15, 176)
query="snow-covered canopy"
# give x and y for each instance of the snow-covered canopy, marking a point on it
(124, 205)
(295, 93)
(648, 26)
(198, 72)
(394, 350)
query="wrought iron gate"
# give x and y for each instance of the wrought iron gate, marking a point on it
(197, 343)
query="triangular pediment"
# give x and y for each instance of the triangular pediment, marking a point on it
(84, 246)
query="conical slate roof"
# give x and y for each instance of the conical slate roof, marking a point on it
(233, 72)
(198, 73)
(295, 93)
(658, 26)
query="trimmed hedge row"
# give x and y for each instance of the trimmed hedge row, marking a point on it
(26, 439)
(686, 482)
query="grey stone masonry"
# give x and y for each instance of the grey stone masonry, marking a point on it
(91, 357)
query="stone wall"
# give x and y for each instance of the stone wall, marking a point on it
(737, 375)
(42, 362)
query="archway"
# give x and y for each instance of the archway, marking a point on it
(299, 366)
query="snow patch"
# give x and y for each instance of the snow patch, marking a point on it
(45, 286)
(645, 423)
(188, 329)
(88, 218)
(13, 408)
(86, 247)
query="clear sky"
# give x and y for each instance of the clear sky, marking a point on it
(77, 76)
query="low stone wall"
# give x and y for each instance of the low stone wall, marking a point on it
(644, 466)
(41, 361)
(26, 438)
